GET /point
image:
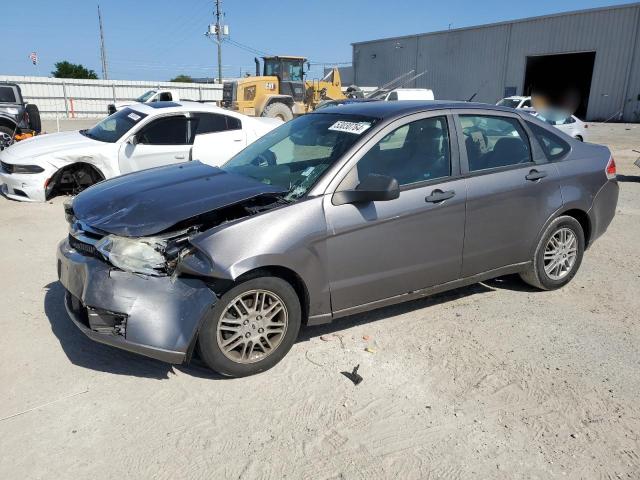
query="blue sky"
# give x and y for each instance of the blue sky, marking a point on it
(156, 40)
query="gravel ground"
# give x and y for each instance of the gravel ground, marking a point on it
(490, 381)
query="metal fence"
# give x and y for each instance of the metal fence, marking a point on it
(69, 98)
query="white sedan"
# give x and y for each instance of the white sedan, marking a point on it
(135, 138)
(571, 125)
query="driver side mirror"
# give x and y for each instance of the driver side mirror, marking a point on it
(373, 188)
(132, 140)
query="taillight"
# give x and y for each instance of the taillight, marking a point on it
(611, 169)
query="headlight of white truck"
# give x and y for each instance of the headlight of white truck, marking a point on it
(136, 255)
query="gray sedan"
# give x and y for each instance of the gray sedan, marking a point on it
(337, 212)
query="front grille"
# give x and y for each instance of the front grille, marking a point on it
(6, 167)
(84, 248)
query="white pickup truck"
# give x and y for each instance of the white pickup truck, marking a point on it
(147, 97)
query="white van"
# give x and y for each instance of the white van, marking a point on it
(409, 94)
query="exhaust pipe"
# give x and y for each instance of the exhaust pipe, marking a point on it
(255, 59)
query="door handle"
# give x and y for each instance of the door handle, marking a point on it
(438, 196)
(237, 139)
(179, 157)
(534, 175)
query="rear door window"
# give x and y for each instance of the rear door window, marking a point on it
(553, 146)
(493, 142)
(213, 122)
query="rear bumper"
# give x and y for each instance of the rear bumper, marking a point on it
(158, 317)
(603, 208)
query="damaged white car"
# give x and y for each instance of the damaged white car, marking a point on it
(132, 139)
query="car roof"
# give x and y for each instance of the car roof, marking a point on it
(384, 110)
(178, 106)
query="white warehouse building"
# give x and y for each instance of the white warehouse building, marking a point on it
(595, 53)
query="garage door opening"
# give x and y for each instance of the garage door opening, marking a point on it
(563, 80)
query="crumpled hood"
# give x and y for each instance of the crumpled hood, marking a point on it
(50, 144)
(148, 202)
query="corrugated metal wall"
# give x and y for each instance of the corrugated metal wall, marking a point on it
(89, 98)
(486, 59)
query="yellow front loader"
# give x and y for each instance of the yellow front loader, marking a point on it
(281, 90)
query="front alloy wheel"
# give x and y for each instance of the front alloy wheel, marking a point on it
(251, 327)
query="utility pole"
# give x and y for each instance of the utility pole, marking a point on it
(219, 39)
(103, 52)
(218, 32)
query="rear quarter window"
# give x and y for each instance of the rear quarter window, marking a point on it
(7, 95)
(553, 146)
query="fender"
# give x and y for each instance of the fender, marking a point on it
(293, 237)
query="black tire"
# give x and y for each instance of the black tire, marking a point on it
(6, 137)
(579, 138)
(278, 110)
(34, 118)
(536, 275)
(208, 343)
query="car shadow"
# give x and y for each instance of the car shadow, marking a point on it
(628, 178)
(86, 353)
(508, 282)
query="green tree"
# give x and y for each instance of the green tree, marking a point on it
(182, 78)
(71, 70)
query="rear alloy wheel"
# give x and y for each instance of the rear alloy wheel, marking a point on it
(252, 327)
(558, 255)
(6, 137)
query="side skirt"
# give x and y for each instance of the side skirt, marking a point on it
(424, 292)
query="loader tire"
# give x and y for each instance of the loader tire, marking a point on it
(278, 110)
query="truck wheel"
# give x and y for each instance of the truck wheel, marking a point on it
(6, 137)
(558, 255)
(278, 110)
(34, 118)
(251, 327)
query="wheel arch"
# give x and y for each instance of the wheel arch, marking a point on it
(52, 184)
(286, 274)
(7, 122)
(579, 214)
(583, 219)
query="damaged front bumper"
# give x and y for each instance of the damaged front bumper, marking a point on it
(154, 316)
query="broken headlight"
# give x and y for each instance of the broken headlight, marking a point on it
(136, 255)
